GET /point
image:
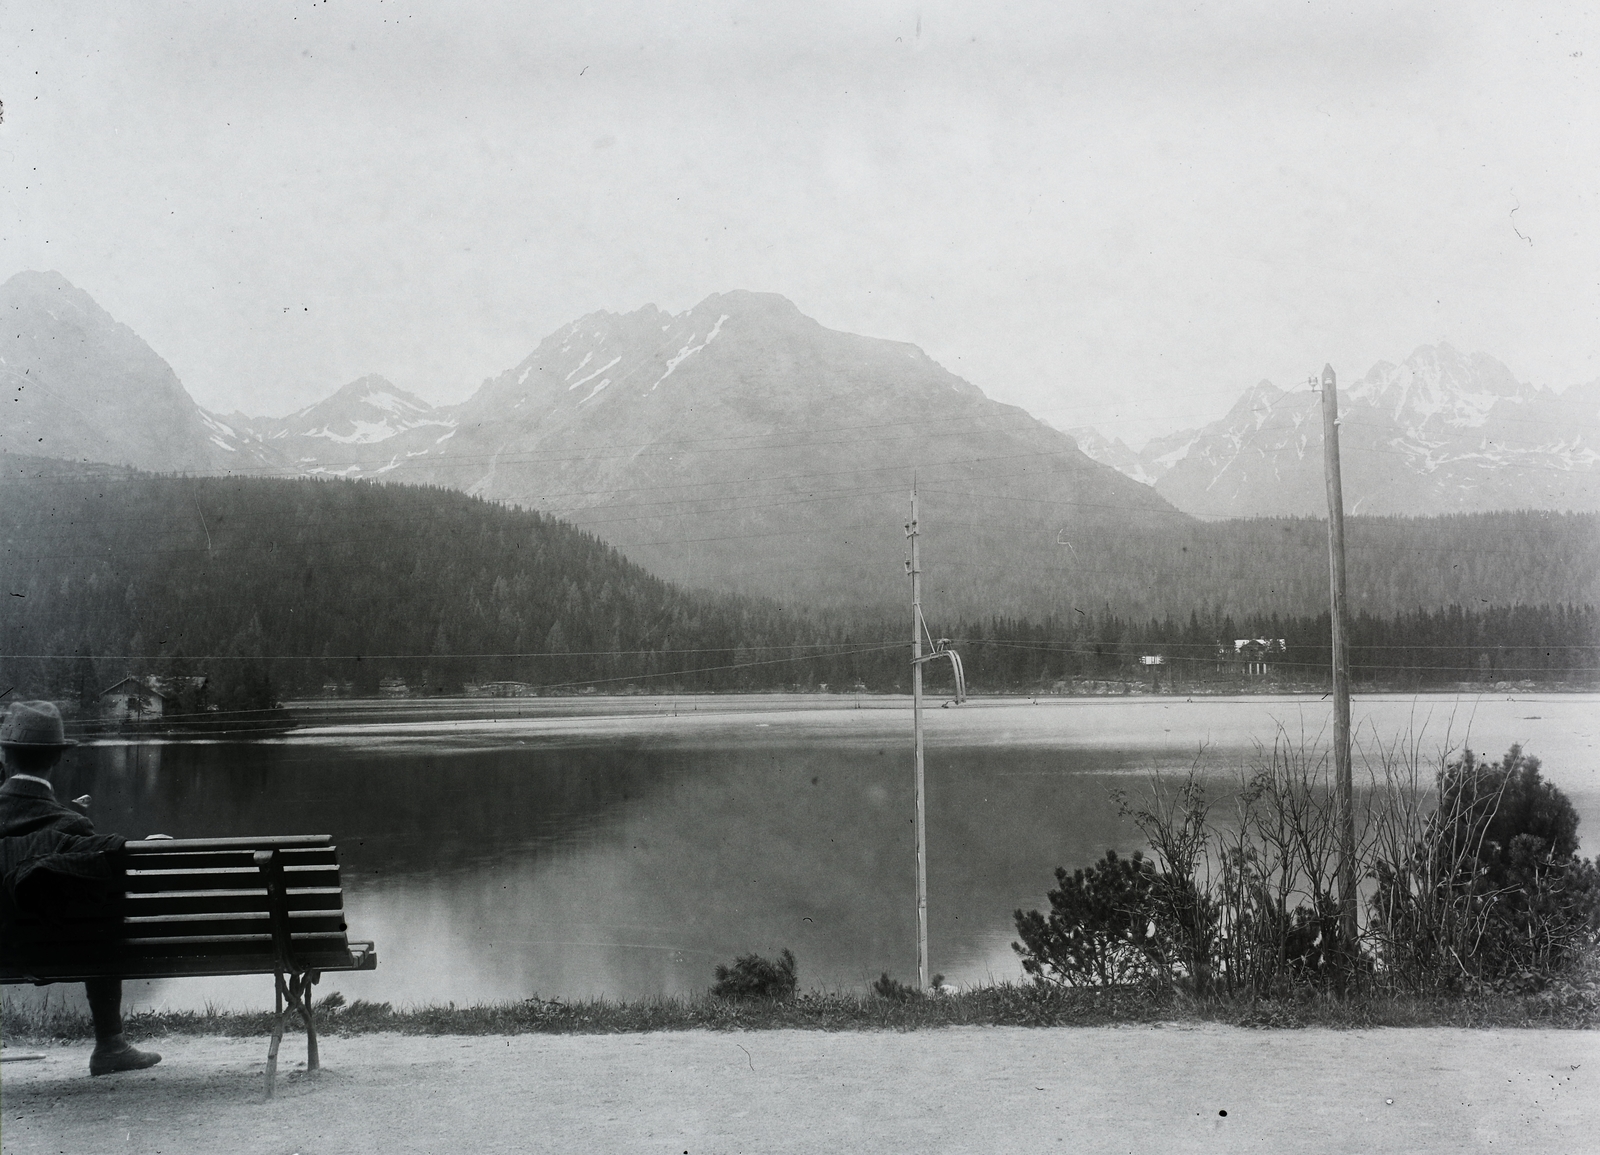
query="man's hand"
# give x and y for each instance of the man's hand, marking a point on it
(158, 838)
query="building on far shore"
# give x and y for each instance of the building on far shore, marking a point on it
(1253, 656)
(144, 698)
(504, 690)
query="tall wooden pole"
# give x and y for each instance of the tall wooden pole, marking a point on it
(915, 567)
(1343, 789)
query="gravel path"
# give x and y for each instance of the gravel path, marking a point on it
(1080, 1090)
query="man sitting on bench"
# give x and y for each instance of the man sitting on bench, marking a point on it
(32, 742)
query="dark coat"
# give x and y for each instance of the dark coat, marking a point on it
(28, 807)
(55, 871)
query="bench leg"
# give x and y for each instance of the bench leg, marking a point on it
(300, 998)
(277, 1032)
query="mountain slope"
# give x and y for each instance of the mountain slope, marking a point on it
(743, 446)
(82, 387)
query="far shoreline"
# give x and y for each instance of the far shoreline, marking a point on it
(1096, 690)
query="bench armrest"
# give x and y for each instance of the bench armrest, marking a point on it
(269, 842)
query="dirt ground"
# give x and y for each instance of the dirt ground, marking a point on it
(1128, 1089)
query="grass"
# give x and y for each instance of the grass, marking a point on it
(1564, 1005)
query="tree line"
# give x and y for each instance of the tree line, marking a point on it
(276, 588)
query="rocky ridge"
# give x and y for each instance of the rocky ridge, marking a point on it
(1441, 432)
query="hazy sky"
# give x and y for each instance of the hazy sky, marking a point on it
(1118, 214)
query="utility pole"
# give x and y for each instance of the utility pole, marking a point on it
(938, 650)
(1343, 790)
(914, 568)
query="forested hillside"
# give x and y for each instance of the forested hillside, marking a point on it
(345, 582)
(302, 587)
(1262, 566)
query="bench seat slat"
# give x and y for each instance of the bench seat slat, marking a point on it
(177, 944)
(146, 939)
(200, 925)
(191, 966)
(203, 925)
(194, 925)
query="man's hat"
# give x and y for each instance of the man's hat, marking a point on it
(35, 726)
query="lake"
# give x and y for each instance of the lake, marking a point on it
(571, 847)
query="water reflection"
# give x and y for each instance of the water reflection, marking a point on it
(618, 855)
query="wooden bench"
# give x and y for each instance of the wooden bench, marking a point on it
(210, 906)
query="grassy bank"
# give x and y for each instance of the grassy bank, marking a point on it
(1573, 1005)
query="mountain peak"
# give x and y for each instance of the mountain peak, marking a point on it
(91, 390)
(1258, 399)
(374, 390)
(1440, 432)
(1437, 384)
(35, 281)
(361, 412)
(55, 294)
(751, 301)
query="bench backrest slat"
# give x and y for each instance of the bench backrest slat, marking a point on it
(222, 859)
(190, 880)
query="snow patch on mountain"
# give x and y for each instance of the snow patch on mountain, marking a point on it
(587, 357)
(689, 350)
(590, 377)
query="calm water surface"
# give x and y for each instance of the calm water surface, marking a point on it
(624, 846)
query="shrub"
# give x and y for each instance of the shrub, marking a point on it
(1490, 807)
(1489, 887)
(1183, 938)
(1470, 879)
(894, 990)
(753, 977)
(1099, 929)
(1277, 898)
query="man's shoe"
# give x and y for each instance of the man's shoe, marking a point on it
(121, 1057)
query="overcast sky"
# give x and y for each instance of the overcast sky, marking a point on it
(1119, 214)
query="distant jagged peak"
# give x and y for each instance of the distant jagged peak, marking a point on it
(1444, 360)
(597, 361)
(1090, 439)
(1584, 399)
(709, 314)
(374, 391)
(366, 410)
(1256, 404)
(1438, 384)
(1441, 365)
(1263, 390)
(1112, 451)
(598, 323)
